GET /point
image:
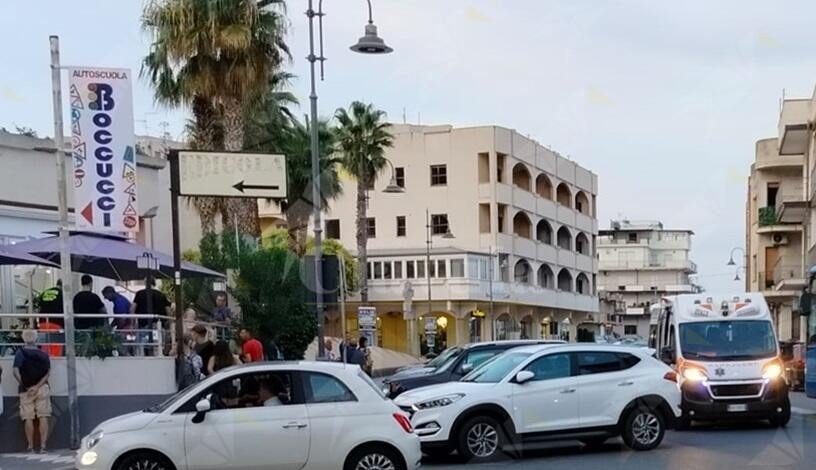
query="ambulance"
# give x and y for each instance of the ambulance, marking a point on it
(725, 351)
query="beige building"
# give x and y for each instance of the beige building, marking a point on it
(522, 262)
(781, 241)
(638, 263)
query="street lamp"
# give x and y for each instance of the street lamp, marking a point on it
(731, 257)
(393, 187)
(368, 44)
(736, 273)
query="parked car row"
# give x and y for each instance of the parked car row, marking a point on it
(480, 400)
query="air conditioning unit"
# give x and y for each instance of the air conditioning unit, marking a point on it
(780, 239)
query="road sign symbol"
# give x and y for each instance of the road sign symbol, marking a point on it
(232, 174)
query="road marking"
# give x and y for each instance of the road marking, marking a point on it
(802, 411)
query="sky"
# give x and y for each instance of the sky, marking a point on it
(664, 101)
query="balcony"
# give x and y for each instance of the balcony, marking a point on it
(788, 275)
(791, 210)
(793, 127)
(637, 310)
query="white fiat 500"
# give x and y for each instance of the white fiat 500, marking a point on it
(581, 392)
(277, 416)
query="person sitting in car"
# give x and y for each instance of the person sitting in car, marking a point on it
(270, 391)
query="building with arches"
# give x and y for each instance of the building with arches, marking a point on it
(522, 263)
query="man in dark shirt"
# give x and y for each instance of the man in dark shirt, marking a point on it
(150, 302)
(31, 369)
(203, 346)
(85, 301)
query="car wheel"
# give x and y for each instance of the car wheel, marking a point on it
(480, 439)
(594, 442)
(374, 458)
(145, 461)
(643, 428)
(781, 420)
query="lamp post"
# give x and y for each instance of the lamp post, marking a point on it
(731, 261)
(736, 273)
(370, 43)
(428, 241)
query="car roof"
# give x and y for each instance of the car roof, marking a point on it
(571, 347)
(316, 366)
(512, 343)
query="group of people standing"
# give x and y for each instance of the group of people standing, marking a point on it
(355, 352)
(204, 357)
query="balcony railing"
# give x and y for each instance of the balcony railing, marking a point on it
(767, 216)
(788, 272)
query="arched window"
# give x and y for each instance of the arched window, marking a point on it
(544, 232)
(522, 226)
(564, 238)
(582, 244)
(545, 277)
(564, 280)
(582, 284)
(521, 177)
(582, 203)
(544, 186)
(522, 273)
(563, 195)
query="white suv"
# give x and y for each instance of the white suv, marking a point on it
(275, 415)
(582, 392)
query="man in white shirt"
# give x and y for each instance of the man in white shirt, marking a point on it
(270, 391)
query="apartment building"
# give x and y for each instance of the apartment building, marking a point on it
(509, 227)
(638, 263)
(779, 217)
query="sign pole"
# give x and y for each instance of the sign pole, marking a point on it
(173, 158)
(65, 252)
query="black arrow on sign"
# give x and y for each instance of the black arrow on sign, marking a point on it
(240, 186)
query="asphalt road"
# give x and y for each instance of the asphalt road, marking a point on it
(720, 447)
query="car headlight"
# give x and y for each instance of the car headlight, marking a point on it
(439, 402)
(772, 369)
(694, 374)
(94, 439)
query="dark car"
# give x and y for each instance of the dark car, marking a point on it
(451, 365)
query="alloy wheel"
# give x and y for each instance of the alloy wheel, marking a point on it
(375, 461)
(146, 464)
(482, 440)
(646, 428)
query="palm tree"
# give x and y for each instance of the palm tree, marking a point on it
(217, 57)
(294, 141)
(362, 137)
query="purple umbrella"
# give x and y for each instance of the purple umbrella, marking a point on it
(10, 257)
(106, 255)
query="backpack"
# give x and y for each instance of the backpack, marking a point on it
(189, 373)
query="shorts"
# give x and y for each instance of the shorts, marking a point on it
(38, 406)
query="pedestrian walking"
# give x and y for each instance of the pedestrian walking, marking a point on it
(252, 349)
(32, 367)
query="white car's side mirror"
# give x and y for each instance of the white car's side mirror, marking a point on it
(524, 376)
(203, 405)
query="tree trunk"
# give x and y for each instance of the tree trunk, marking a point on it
(298, 221)
(362, 239)
(245, 209)
(205, 135)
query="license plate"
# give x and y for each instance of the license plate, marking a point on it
(737, 408)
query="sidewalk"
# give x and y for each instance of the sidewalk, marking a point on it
(52, 460)
(801, 404)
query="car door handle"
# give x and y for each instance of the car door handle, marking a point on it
(626, 383)
(568, 390)
(294, 425)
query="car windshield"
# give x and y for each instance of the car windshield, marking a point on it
(447, 355)
(495, 369)
(727, 340)
(161, 406)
